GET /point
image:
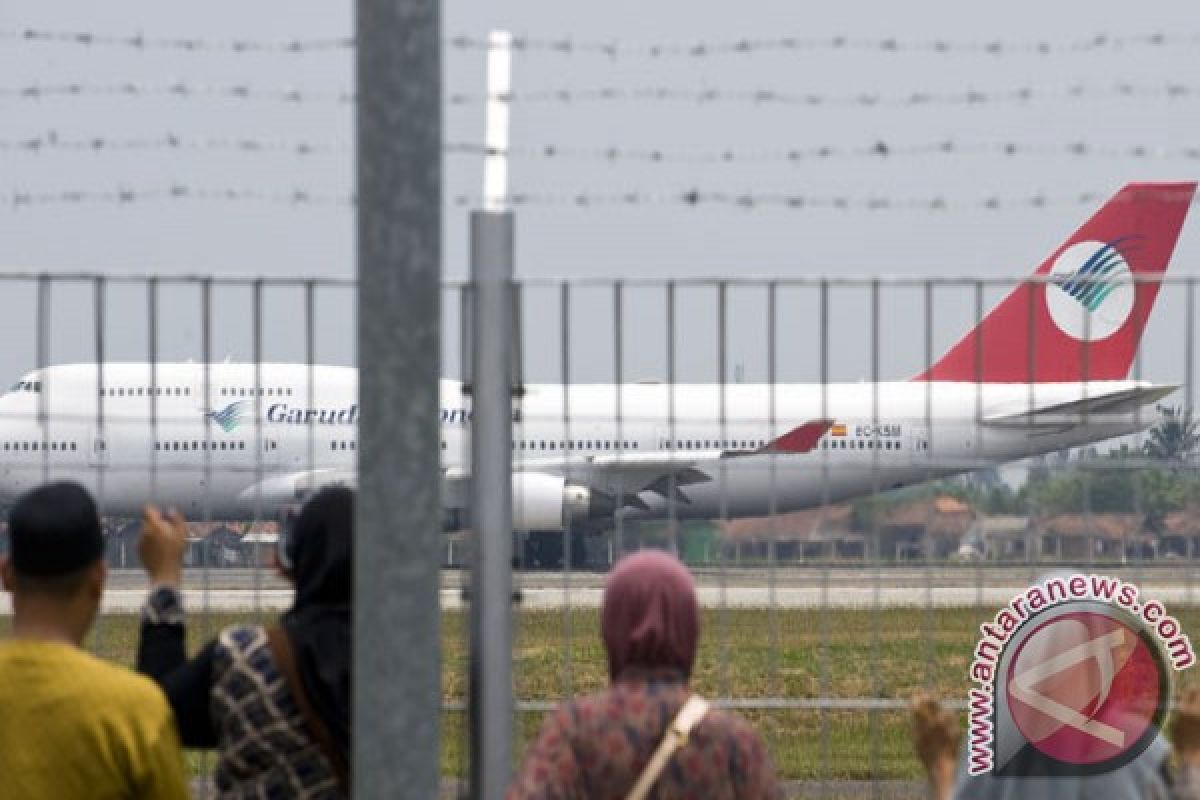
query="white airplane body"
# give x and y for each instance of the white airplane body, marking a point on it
(244, 440)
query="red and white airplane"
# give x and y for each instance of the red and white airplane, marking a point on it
(1046, 369)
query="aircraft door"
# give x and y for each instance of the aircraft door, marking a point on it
(918, 444)
(98, 450)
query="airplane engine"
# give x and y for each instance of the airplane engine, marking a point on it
(542, 502)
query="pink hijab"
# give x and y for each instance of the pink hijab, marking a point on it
(650, 618)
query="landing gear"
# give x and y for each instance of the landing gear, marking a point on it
(543, 550)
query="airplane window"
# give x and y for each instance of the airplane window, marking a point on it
(222, 445)
(24, 445)
(188, 392)
(35, 446)
(174, 445)
(289, 392)
(73, 448)
(241, 445)
(54, 445)
(6, 445)
(121, 392)
(333, 445)
(37, 387)
(354, 445)
(635, 444)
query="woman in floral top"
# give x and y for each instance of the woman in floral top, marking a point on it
(597, 746)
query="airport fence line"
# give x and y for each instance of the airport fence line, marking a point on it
(816, 620)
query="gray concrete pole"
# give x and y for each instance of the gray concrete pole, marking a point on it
(397, 665)
(491, 502)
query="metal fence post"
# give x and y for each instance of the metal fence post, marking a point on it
(491, 503)
(397, 665)
(491, 693)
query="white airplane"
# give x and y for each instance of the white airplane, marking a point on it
(1047, 369)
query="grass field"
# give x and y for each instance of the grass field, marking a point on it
(744, 654)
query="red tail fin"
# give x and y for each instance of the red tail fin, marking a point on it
(1083, 320)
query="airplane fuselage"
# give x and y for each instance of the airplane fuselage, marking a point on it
(237, 440)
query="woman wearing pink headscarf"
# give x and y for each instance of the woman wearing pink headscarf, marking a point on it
(646, 730)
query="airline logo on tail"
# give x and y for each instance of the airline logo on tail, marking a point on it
(1090, 293)
(1082, 318)
(230, 416)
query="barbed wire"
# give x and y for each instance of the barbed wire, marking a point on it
(179, 90)
(690, 198)
(140, 41)
(693, 198)
(185, 91)
(878, 149)
(763, 97)
(52, 141)
(568, 46)
(696, 198)
(120, 196)
(56, 141)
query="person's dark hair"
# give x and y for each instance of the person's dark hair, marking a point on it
(54, 538)
(320, 550)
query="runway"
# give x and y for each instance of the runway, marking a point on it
(805, 588)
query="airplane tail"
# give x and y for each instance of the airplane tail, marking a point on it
(1084, 319)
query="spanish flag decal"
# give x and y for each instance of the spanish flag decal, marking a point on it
(838, 430)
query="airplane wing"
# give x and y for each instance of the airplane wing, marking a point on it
(625, 476)
(295, 487)
(621, 476)
(1072, 412)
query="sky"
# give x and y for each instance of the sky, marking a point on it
(660, 239)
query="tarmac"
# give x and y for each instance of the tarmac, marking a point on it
(838, 588)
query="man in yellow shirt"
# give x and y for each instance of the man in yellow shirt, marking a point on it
(72, 725)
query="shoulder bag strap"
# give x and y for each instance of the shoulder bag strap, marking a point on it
(676, 737)
(281, 650)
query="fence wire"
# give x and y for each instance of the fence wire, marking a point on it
(823, 612)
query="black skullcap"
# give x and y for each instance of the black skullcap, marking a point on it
(54, 530)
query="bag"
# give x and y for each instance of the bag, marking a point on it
(676, 737)
(281, 651)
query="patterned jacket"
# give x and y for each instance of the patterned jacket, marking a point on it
(595, 747)
(232, 696)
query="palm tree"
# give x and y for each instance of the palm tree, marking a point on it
(1175, 437)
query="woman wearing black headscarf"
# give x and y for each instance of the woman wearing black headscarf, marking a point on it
(619, 743)
(274, 701)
